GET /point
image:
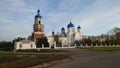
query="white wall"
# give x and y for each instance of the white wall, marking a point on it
(21, 45)
(78, 36)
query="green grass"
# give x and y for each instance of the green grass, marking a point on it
(101, 48)
(10, 60)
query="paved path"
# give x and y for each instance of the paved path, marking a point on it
(90, 59)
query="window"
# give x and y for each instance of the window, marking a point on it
(20, 46)
(39, 22)
(31, 45)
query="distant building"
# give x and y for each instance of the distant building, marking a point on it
(65, 39)
(24, 44)
(109, 38)
(59, 40)
(38, 27)
(78, 35)
(38, 32)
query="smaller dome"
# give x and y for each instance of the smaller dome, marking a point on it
(38, 10)
(38, 14)
(70, 25)
(62, 28)
(78, 27)
(53, 32)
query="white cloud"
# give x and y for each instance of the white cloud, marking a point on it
(93, 16)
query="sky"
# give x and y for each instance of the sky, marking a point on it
(95, 17)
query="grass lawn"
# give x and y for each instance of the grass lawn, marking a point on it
(101, 48)
(9, 60)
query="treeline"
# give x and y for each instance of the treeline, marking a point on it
(97, 42)
(6, 46)
(9, 46)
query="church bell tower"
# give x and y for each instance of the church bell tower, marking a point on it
(38, 27)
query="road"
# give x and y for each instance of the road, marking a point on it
(90, 59)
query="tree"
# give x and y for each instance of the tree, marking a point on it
(18, 39)
(118, 37)
(97, 42)
(42, 41)
(6, 46)
(88, 41)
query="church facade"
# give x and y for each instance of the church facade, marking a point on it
(63, 40)
(66, 39)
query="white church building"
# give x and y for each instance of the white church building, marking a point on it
(64, 40)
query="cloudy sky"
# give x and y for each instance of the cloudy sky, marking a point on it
(94, 16)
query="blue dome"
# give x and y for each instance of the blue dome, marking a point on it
(62, 28)
(38, 14)
(70, 25)
(53, 32)
(78, 27)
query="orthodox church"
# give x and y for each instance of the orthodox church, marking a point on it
(38, 27)
(62, 40)
(65, 39)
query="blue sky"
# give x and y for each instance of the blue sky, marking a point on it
(94, 16)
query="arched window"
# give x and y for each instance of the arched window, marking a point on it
(39, 22)
(31, 45)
